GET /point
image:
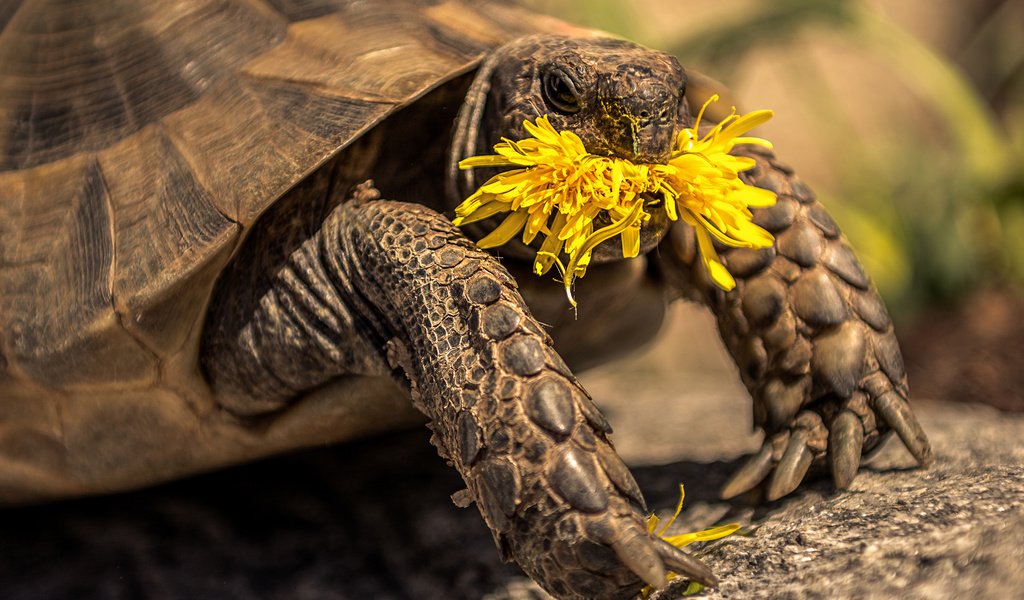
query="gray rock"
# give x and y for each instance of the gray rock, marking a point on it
(375, 519)
(951, 531)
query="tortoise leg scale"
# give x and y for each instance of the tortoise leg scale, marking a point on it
(446, 319)
(811, 337)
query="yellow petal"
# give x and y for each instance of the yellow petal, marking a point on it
(487, 210)
(753, 141)
(679, 509)
(548, 253)
(483, 161)
(757, 197)
(559, 180)
(605, 233)
(716, 270)
(747, 122)
(536, 221)
(712, 533)
(631, 242)
(504, 232)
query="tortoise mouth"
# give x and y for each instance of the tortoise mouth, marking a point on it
(652, 231)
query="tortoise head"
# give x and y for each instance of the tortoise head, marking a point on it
(621, 99)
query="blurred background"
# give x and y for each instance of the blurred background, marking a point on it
(907, 118)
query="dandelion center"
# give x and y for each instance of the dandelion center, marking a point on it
(556, 189)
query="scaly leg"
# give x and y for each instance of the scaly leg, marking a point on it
(812, 339)
(398, 282)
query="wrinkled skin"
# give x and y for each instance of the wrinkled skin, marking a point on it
(384, 287)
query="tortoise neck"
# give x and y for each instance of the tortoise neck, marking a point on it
(413, 148)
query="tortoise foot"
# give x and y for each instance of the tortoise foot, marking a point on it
(811, 336)
(835, 433)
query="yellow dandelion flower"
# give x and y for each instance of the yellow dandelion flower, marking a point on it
(685, 539)
(558, 189)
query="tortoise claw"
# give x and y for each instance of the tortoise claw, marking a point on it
(750, 474)
(684, 564)
(637, 552)
(792, 467)
(845, 443)
(896, 412)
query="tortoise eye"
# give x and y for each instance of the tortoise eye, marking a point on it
(559, 92)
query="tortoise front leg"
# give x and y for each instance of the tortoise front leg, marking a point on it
(401, 284)
(812, 339)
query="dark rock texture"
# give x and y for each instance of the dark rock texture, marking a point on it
(375, 520)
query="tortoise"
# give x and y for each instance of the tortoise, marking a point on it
(196, 270)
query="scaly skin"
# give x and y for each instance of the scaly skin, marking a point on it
(812, 339)
(504, 409)
(380, 288)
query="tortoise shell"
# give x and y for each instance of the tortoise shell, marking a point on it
(139, 141)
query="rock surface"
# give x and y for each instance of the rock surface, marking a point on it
(953, 531)
(374, 519)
